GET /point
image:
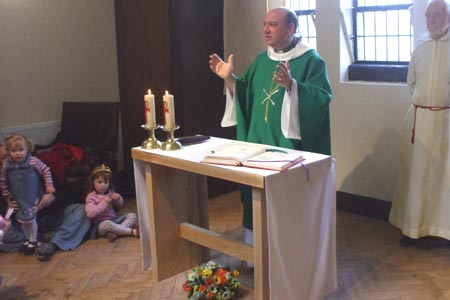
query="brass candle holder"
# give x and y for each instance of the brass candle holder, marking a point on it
(170, 143)
(151, 142)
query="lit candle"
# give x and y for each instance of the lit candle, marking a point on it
(169, 111)
(149, 101)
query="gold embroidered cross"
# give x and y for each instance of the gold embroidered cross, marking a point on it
(272, 91)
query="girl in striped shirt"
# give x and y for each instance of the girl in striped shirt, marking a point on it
(20, 180)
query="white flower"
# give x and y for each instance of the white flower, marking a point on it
(211, 264)
(191, 276)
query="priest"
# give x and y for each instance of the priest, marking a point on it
(283, 97)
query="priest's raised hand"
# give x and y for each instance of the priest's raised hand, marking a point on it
(223, 69)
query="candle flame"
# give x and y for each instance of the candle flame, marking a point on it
(167, 93)
(149, 92)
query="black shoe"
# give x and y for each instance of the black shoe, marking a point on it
(30, 249)
(24, 247)
(406, 241)
(45, 251)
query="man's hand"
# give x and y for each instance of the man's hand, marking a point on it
(46, 200)
(222, 69)
(283, 75)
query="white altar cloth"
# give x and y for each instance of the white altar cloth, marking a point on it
(301, 221)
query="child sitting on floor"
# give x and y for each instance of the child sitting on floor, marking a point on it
(101, 203)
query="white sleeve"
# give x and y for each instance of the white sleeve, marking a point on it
(229, 116)
(290, 117)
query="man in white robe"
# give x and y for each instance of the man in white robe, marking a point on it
(421, 205)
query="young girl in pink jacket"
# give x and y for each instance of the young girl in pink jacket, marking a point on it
(101, 205)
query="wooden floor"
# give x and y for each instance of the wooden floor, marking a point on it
(371, 265)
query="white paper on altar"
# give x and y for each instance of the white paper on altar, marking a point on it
(301, 218)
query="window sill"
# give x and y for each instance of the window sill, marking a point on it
(377, 73)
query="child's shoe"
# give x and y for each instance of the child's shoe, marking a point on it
(30, 249)
(24, 247)
(111, 236)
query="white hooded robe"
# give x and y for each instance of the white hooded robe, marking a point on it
(421, 204)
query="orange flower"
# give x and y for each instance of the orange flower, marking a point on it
(210, 295)
(209, 281)
(202, 288)
(220, 272)
(186, 287)
(224, 281)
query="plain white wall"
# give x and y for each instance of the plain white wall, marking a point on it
(366, 117)
(51, 51)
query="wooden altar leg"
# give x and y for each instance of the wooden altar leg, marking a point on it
(140, 171)
(260, 246)
(174, 197)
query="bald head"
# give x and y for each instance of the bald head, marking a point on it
(279, 27)
(289, 16)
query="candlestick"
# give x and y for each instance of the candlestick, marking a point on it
(151, 142)
(170, 143)
(149, 101)
(169, 111)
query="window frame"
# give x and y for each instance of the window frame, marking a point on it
(383, 71)
(365, 70)
(306, 12)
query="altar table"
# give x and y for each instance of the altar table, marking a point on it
(294, 219)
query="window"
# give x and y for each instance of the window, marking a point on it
(382, 31)
(382, 41)
(306, 12)
(380, 38)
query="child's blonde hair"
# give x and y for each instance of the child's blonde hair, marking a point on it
(17, 139)
(102, 171)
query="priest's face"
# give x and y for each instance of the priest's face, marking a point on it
(277, 32)
(437, 19)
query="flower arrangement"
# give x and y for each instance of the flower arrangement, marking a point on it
(211, 281)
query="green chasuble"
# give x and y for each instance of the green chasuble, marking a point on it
(255, 88)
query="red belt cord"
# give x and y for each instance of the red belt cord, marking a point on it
(431, 108)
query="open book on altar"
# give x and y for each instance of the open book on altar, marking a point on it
(254, 156)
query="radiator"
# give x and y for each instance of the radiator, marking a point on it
(41, 133)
